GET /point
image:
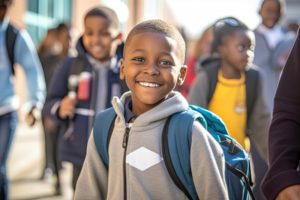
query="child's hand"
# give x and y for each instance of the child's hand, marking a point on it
(67, 107)
(30, 117)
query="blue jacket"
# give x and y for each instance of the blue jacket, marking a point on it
(73, 148)
(26, 56)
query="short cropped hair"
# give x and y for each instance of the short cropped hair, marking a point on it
(62, 27)
(106, 13)
(159, 26)
(5, 3)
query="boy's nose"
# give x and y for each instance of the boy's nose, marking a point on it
(152, 69)
(95, 39)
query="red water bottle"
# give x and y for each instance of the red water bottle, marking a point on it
(83, 93)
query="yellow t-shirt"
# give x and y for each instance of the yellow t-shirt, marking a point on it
(229, 103)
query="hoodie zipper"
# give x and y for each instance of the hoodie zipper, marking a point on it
(124, 145)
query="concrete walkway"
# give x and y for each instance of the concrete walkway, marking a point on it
(25, 165)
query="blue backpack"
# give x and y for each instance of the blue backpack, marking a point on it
(176, 142)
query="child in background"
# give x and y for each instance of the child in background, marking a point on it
(74, 105)
(152, 66)
(273, 45)
(53, 49)
(230, 87)
(16, 47)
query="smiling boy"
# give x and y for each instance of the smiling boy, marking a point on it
(152, 66)
(98, 60)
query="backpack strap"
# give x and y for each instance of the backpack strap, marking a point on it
(176, 153)
(248, 183)
(212, 75)
(252, 80)
(178, 163)
(11, 36)
(176, 143)
(103, 128)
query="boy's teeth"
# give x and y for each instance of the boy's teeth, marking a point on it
(149, 84)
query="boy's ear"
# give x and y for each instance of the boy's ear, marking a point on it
(122, 74)
(259, 12)
(182, 75)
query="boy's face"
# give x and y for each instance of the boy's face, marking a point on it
(99, 38)
(152, 66)
(270, 13)
(237, 50)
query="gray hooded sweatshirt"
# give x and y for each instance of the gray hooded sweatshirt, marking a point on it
(139, 169)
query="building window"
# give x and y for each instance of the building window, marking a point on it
(42, 15)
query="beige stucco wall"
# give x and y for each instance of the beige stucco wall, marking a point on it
(17, 11)
(80, 7)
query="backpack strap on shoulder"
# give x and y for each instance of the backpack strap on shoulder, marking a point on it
(103, 128)
(212, 76)
(252, 80)
(176, 143)
(11, 36)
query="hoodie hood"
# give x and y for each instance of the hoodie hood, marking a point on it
(173, 104)
(80, 48)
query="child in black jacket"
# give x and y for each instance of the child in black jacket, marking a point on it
(84, 85)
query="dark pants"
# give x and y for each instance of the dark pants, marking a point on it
(76, 173)
(51, 129)
(8, 124)
(260, 169)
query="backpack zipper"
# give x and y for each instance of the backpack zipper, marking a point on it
(124, 145)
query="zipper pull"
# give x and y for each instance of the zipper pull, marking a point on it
(125, 139)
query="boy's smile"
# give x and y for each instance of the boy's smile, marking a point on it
(151, 68)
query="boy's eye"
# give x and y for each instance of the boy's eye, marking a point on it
(104, 34)
(89, 33)
(165, 63)
(139, 59)
(241, 48)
